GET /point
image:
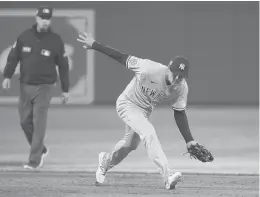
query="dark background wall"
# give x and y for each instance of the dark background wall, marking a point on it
(219, 38)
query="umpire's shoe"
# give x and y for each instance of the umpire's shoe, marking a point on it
(102, 168)
(33, 165)
(172, 180)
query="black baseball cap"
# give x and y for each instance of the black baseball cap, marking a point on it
(179, 66)
(44, 12)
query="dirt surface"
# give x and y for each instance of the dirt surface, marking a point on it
(50, 184)
(76, 139)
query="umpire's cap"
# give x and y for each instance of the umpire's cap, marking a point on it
(179, 66)
(44, 12)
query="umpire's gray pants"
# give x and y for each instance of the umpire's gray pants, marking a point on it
(34, 101)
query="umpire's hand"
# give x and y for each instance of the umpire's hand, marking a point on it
(64, 97)
(6, 84)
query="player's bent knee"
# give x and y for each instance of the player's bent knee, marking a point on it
(148, 139)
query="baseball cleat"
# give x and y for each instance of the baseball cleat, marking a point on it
(31, 166)
(34, 166)
(102, 168)
(172, 180)
(45, 153)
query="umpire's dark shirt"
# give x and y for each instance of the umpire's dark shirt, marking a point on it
(38, 54)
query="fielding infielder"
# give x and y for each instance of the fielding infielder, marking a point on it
(153, 83)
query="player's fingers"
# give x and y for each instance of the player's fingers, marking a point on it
(82, 41)
(83, 37)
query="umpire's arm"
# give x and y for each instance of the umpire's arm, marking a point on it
(12, 60)
(63, 67)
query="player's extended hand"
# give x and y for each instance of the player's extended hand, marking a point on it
(86, 39)
(6, 84)
(198, 151)
(64, 97)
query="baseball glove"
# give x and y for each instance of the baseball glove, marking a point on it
(199, 152)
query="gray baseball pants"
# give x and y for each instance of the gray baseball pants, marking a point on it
(34, 102)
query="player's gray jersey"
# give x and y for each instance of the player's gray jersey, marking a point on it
(148, 87)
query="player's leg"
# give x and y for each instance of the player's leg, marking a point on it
(26, 111)
(137, 119)
(128, 143)
(140, 124)
(148, 136)
(40, 110)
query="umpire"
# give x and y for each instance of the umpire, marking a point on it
(38, 50)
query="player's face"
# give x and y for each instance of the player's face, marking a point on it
(174, 79)
(43, 24)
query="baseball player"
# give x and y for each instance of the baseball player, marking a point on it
(153, 83)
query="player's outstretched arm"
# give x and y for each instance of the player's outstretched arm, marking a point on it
(195, 149)
(90, 43)
(183, 125)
